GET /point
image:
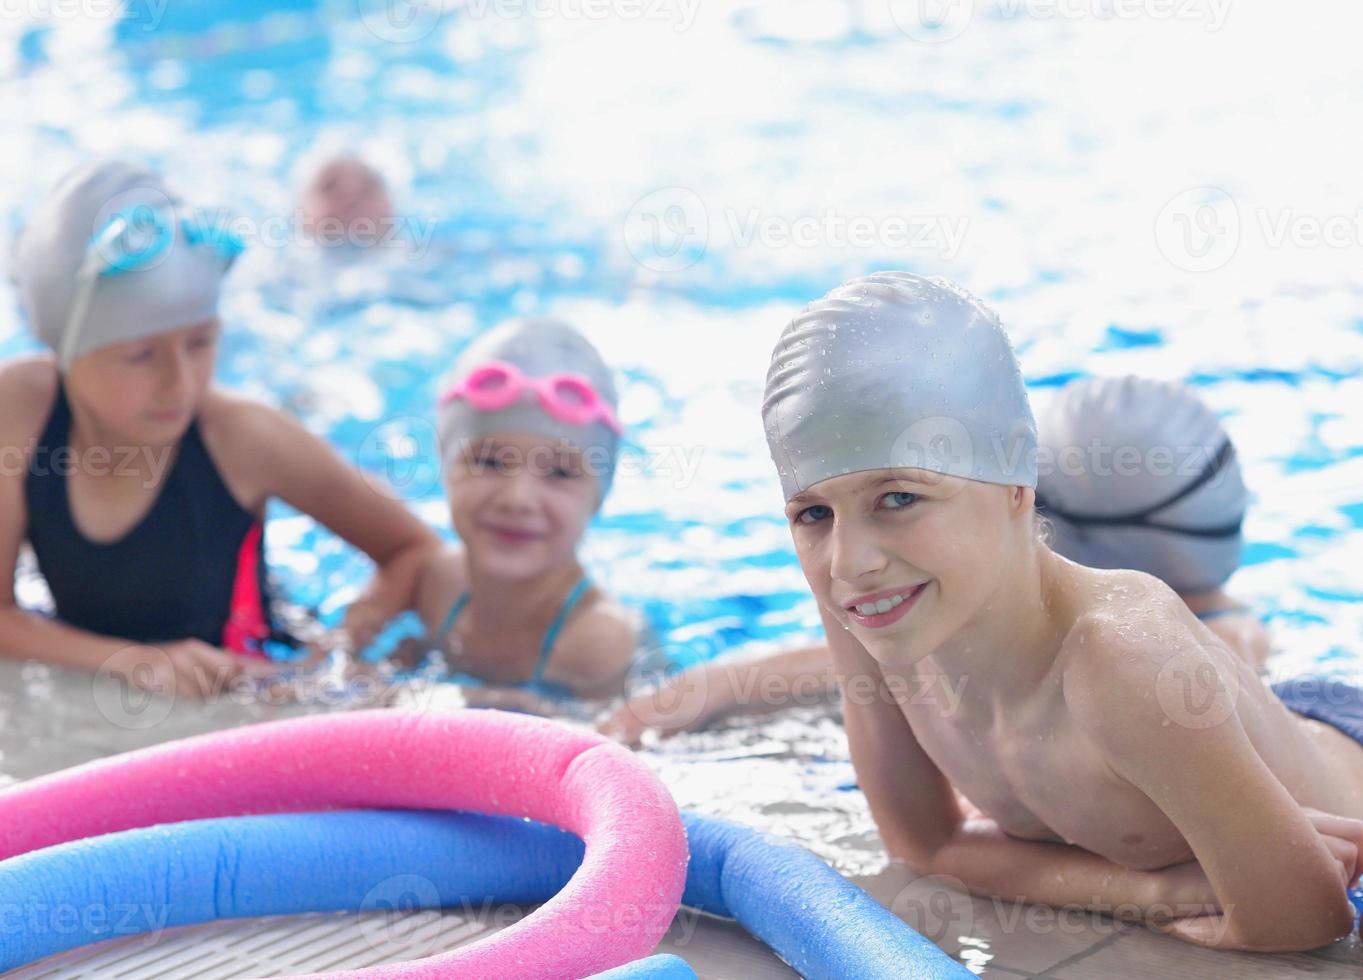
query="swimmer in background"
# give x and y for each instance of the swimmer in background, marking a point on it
(529, 439)
(1119, 757)
(346, 201)
(143, 487)
(1177, 518)
(1182, 526)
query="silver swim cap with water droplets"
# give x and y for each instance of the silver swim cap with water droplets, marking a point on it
(897, 371)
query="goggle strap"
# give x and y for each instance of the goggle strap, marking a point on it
(1141, 518)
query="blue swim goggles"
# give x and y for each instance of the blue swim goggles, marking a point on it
(137, 238)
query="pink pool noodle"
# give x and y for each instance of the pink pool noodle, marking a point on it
(614, 910)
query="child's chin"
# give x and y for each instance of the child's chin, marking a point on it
(512, 566)
(896, 650)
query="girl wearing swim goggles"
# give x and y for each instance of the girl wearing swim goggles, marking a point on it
(529, 436)
(144, 487)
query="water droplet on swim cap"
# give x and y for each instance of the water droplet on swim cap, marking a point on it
(920, 361)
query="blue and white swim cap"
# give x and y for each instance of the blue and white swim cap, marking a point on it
(893, 370)
(80, 293)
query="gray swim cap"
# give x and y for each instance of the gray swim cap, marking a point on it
(1138, 473)
(894, 370)
(538, 347)
(177, 288)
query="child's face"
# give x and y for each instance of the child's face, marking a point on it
(346, 191)
(918, 552)
(520, 503)
(146, 392)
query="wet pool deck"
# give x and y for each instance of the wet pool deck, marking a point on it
(51, 719)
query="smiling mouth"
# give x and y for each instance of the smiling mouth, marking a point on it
(882, 606)
(514, 533)
(888, 609)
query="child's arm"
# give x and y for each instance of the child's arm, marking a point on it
(914, 805)
(689, 699)
(920, 821)
(298, 467)
(1270, 863)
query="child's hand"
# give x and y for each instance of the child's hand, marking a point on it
(189, 668)
(1344, 837)
(676, 705)
(624, 725)
(409, 652)
(361, 624)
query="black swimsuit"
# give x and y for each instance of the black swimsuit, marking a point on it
(191, 568)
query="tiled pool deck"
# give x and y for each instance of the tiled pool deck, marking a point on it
(51, 719)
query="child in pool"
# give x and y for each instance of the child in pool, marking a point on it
(1121, 757)
(1140, 474)
(346, 201)
(1135, 473)
(142, 488)
(1100, 782)
(529, 438)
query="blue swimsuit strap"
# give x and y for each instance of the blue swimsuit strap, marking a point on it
(448, 624)
(550, 635)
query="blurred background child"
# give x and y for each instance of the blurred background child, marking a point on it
(143, 488)
(529, 439)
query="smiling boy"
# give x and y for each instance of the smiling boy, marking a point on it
(1119, 754)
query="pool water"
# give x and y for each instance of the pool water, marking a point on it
(1133, 194)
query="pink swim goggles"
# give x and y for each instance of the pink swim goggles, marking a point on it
(567, 397)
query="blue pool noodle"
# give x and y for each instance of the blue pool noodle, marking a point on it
(663, 966)
(199, 871)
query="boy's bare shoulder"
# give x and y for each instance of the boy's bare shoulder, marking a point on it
(28, 386)
(1128, 644)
